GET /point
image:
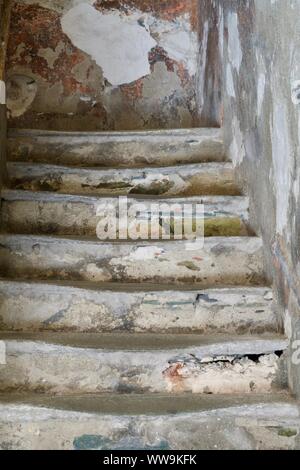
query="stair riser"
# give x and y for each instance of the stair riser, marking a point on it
(114, 149)
(233, 261)
(57, 369)
(236, 428)
(237, 311)
(192, 180)
(69, 217)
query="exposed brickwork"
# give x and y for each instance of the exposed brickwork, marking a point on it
(73, 94)
(133, 91)
(34, 28)
(165, 9)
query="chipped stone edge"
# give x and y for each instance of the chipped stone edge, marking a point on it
(2, 92)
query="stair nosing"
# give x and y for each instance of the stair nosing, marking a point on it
(227, 164)
(189, 403)
(46, 196)
(201, 131)
(157, 343)
(131, 288)
(137, 243)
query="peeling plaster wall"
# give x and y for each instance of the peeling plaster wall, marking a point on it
(4, 26)
(261, 70)
(103, 64)
(209, 72)
(2, 116)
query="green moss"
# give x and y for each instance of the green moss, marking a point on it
(91, 442)
(98, 442)
(286, 432)
(156, 188)
(218, 227)
(189, 265)
(109, 185)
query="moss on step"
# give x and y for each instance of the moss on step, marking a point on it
(189, 265)
(116, 185)
(227, 227)
(218, 227)
(287, 432)
(98, 442)
(156, 188)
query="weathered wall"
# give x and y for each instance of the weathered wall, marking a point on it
(2, 108)
(209, 73)
(2, 143)
(2, 104)
(5, 8)
(261, 69)
(104, 64)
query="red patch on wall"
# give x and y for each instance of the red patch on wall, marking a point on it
(133, 91)
(33, 29)
(158, 54)
(165, 9)
(173, 374)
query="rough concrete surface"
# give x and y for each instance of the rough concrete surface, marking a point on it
(249, 427)
(222, 260)
(43, 212)
(247, 365)
(185, 180)
(111, 149)
(25, 307)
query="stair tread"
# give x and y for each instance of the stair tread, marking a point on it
(187, 167)
(40, 212)
(185, 180)
(197, 131)
(137, 308)
(47, 196)
(124, 287)
(147, 404)
(220, 261)
(163, 423)
(75, 363)
(200, 344)
(124, 149)
(214, 206)
(250, 241)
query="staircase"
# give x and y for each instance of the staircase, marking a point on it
(135, 344)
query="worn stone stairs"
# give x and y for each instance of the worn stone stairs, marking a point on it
(124, 344)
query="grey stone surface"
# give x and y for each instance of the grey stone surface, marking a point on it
(125, 149)
(26, 307)
(42, 212)
(185, 180)
(128, 363)
(233, 426)
(222, 260)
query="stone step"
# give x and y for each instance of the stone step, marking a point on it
(184, 180)
(221, 261)
(147, 422)
(25, 306)
(49, 213)
(135, 363)
(109, 149)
